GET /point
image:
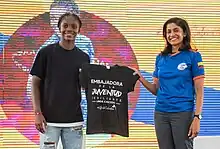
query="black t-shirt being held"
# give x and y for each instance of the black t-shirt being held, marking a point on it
(107, 97)
(60, 89)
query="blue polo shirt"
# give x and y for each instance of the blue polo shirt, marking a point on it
(175, 74)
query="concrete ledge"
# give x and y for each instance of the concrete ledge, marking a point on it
(207, 142)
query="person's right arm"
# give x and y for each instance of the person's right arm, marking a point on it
(38, 73)
(40, 122)
(151, 87)
(36, 94)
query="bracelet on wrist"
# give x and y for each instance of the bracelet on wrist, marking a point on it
(38, 113)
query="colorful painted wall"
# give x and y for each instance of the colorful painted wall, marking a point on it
(125, 32)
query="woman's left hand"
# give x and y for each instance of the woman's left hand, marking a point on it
(194, 128)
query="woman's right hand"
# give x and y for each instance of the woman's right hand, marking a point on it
(136, 71)
(40, 123)
(152, 87)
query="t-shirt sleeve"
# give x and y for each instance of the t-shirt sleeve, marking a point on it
(88, 59)
(155, 73)
(132, 79)
(83, 75)
(39, 66)
(85, 59)
(197, 66)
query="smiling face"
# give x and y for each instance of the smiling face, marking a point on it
(177, 34)
(174, 34)
(69, 28)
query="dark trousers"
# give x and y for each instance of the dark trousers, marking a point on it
(172, 130)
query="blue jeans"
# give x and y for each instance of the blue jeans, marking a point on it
(71, 137)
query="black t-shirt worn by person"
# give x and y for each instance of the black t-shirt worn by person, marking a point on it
(107, 97)
(60, 90)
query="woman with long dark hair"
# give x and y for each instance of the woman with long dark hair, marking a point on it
(178, 84)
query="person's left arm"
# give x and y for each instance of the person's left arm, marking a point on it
(198, 78)
(199, 89)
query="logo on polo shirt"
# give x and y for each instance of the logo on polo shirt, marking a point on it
(200, 64)
(182, 66)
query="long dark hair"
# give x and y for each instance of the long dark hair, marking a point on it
(186, 40)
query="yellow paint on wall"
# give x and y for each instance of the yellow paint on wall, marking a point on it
(2, 114)
(13, 13)
(141, 136)
(9, 136)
